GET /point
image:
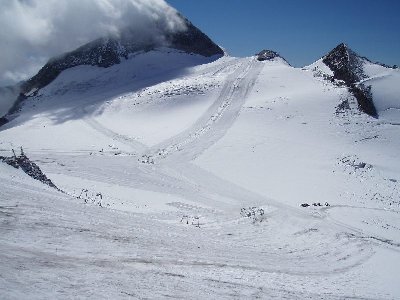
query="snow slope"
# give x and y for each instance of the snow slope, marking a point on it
(385, 90)
(74, 103)
(183, 177)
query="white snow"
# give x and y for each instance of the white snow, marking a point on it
(385, 89)
(386, 93)
(161, 158)
(319, 68)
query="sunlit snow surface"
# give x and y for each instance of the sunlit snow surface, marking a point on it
(162, 157)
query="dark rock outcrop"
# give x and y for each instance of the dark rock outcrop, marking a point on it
(268, 55)
(364, 98)
(347, 66)
(29, 167)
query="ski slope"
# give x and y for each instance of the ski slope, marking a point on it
(183, 177)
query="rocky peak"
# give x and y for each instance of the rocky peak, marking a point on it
(345, 64)
(348, 66)
(268, 55)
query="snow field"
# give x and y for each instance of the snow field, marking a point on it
(188, 183)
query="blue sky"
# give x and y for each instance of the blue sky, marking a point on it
(302, 31)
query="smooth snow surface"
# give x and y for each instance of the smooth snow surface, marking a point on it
(386, 92)
(184, 176)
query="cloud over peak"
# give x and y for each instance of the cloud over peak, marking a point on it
(35, 30)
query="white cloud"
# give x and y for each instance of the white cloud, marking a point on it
(32, 31)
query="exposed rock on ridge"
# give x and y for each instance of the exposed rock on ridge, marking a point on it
(29, 167)
(347, 65)
(265, 55)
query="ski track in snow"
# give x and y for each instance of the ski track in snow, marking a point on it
(226, 107)
(53, 245)
(136, 146)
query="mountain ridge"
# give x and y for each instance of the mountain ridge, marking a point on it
(108, 51)
(348, 66)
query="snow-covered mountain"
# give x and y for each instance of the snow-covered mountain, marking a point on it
(269, 55)
(111, 50)
(181, 172)
(374, 96)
